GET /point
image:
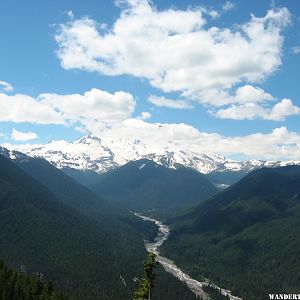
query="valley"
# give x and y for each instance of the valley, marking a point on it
(246, 237)
(170, 267)
(208, 238)
(53, 226)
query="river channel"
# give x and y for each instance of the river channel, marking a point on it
(169, 266)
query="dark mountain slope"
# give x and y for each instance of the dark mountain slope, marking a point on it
(77, 254)
(247, 237)
(64, 187)
(143, 185)
(84, 177)
(122, 250)
(226, 177)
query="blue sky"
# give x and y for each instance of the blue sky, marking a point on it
(224, 68)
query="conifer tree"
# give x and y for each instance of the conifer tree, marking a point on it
(146, 283)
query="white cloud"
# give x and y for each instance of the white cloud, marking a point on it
(70, 14)
(6, 87)
(278, 144)
(94, 109)
(283, 109)
(153, 133)
(143, 40)
(207, 66)
(23, 136)
(228, 5)
(242, 95)
(22, 108)
(279, 112)
(170, 103)
(249, 93)
(248, 111)
(144, 115)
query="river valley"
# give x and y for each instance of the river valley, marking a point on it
(170, 266)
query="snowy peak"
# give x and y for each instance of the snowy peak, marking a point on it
(86, 153)
(204, 163)
(103, 154)
(12, 154)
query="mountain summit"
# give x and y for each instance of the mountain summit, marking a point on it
(100, 155)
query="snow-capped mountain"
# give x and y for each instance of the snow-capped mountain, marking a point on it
(13, 154)
(103, 154)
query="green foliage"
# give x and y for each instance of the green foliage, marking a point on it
(143, 290)
(146, 283)
(166, 285)
(84, 257)
(16, 285)
(66, 189)
(245, 238)
(52, 225)
(149, 230)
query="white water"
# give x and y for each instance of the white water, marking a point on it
(170, 267)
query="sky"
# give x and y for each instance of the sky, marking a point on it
(218, 76)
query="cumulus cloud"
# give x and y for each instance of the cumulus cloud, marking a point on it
(170, 103)
(142, 43)
(5, 86)
(213, 66)
(93, 108)
(20, 136)
(155, 134)
(279, 144)
(243, 94)
(144, 115)
(283, 109)
(22, 108)
(250, 111)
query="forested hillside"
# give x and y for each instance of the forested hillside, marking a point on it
(245, 238)
(95, 254)
(17, 285)
(144, 184)
(65, 188)
(81, 257)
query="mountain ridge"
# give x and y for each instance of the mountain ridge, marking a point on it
(146, 185)
(99, 155)
(244, 235)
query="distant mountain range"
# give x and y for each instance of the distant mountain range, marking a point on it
(91, 154)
